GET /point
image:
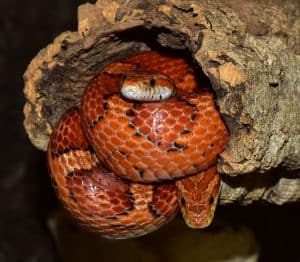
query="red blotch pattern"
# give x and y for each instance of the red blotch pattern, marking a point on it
(98, 199)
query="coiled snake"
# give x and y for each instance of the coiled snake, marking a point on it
(123, 161)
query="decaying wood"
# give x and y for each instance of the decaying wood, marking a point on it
(248, 49)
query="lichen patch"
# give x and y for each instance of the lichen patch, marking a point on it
(231, 74)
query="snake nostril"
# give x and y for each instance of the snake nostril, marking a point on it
(182, 201)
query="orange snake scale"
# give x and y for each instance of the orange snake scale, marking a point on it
(123, 168)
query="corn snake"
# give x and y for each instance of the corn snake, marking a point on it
(123, 167)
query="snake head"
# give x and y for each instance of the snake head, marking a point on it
(198, 196)
(147, 86)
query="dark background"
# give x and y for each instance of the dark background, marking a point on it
(25, 193)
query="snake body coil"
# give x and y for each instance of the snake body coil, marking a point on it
(173, 132)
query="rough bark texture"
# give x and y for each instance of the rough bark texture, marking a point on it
(248, 49)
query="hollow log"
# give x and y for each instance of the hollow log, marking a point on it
(249, 50)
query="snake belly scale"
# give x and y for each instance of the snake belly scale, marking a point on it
(142, 143)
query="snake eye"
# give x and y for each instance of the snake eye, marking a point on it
(152, 82)
(123, 77)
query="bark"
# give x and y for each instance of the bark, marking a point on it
(249, 50)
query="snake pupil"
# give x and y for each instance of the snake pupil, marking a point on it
(152, 82)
